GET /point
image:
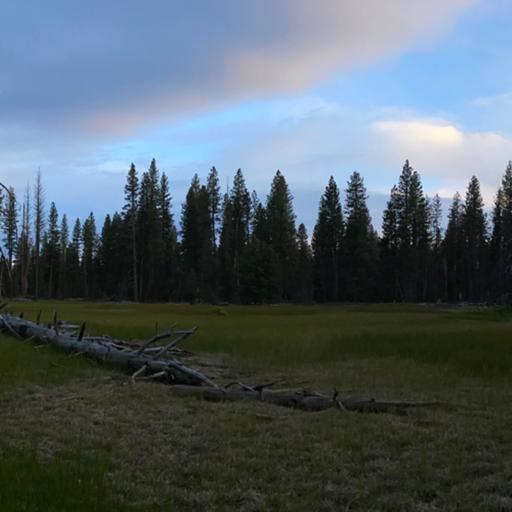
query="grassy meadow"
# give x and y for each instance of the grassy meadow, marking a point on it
(76, 435)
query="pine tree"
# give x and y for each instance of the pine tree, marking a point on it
(506, 233)
(10, 226)
(10, 229)
(359, 244)
(412, 230)
(74, 270)
(496, 273)
(131, 213)
(38, 230)
(149, 232)
(453, 250)
(389, 247)
(214, 200)
(281, 228)
(168, 262)
(234, 236)
(63, 287)
(24, 246)
(327, 245)
(196, 246)
(51, 253)
(304, 286)
(475, 242)
(435, 266)
(90, 245)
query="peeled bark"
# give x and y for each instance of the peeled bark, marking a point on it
(106, 349)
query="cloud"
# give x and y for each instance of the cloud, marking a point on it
(107, 67)
(440, 149)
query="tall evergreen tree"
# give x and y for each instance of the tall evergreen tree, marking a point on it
(282, 232)
(304, 284)
(168, 261)
(131, 214)
(434, 283)
(327, 245)
(389, 249)
(214, 203)
(63, 287)
(10, 226)
(90, 246)
(24, 246)
(412, 233)
(38, 230)
(196, 243)
(51, 253)
(506, 233)
(149, 232)
(475, 242)
(453, 250)
(234, 236)
(359, 244)
(74, 269)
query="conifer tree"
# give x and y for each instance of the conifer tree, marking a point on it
(327, 245)
(359, 244)
(63, 287)
(196, 243)
(304, 284)
(51, 253)
(282, 232)
(168, 262)
(453, 250)
(10, 226)
(149, 236)
(214, 200)
(435, 273)
(38, 230)
(24, 246)
(130, 212)
(74, 270)
(234, 236)
(475, 242)
(389, 248)
(89, 252)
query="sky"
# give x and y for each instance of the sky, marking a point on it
(311, 87)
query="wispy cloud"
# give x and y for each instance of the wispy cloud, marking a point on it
(110, 66)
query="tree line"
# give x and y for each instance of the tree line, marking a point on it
(236, 248)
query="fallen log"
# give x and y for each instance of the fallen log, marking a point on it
(185, 381)
(106, 349)
(303, 399)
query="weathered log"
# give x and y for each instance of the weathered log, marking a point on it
(187, 381)
(105, 350)
(305, 400)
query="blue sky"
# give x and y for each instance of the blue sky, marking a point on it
(310, 88)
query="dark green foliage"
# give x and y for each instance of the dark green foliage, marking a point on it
(453, 247)
(90, 246)
(241, 250)
(327, 245)
(405, 241)
(474, 242)
(234, 236)
(360, 256)
(281, 230)
(303, 291)
(259, 273)
(197, 252)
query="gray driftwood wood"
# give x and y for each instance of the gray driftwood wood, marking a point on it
(141, 359)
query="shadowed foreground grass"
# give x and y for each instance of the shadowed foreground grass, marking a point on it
(77, 436)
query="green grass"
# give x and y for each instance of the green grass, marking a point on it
(75, 435)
